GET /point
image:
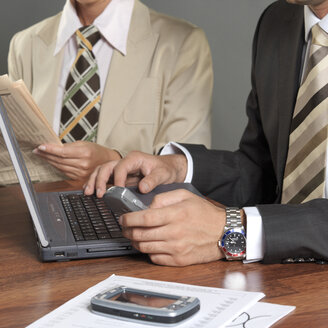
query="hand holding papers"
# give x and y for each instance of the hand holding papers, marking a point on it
(31, 129)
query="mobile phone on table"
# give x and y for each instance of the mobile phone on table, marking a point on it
(146, 306)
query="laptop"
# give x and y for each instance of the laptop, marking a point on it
(70, 225)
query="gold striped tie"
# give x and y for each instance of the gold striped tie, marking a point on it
(81, 104)
(304, 177)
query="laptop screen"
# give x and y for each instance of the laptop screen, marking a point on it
(22, 173)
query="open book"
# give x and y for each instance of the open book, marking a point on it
(31, 129)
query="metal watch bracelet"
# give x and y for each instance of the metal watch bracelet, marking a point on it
(233, 217)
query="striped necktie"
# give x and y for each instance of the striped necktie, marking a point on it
(304, 177)
(81, 103)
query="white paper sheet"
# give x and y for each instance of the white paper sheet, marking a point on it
(218, 306)
(261, 315)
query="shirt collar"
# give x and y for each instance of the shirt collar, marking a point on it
(310, 19)
(113, 24)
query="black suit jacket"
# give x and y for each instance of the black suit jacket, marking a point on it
(253, 175)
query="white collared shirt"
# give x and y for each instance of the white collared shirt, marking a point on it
(255, 235)
(113, 24)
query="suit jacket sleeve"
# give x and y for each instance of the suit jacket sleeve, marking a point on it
(186, 113)
(17, 59)
(14, 66)
(295, 231)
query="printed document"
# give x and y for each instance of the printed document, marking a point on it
(218, 307)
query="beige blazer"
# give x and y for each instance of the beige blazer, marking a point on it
(159, 92)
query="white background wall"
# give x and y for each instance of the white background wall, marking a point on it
(229, 25)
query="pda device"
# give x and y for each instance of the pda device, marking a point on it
(138, 305)
(123, 199)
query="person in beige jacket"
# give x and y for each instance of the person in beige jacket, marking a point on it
(155, 74)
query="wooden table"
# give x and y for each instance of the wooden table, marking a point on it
(30, 289)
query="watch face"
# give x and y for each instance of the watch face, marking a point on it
(234, 243)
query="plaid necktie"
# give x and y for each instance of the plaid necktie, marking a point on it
(81, 104)
(306, 162)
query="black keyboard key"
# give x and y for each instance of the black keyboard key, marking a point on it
(116, 234)
(103, 235)
(91, 238)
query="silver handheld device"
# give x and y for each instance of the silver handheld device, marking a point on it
(123, 200)
(144, 306)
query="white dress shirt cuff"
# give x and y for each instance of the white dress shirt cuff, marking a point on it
(255, 236)
(172, 148)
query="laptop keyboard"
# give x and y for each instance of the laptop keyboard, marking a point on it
(90, 218)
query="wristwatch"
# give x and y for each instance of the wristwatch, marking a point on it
(233, 241)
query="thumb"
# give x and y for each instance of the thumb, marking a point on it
(154, 179)
(172, 197)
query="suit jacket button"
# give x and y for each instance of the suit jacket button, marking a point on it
(321, 262)
(288, 260)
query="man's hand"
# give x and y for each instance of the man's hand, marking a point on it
(179, 229)
(77, 159)
(149, 170)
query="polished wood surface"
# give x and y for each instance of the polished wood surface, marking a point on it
(30, 289)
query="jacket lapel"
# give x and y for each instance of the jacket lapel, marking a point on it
(47, 67)
(289, 71)
(126, 72)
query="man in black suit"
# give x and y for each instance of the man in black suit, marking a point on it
(181, 228)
